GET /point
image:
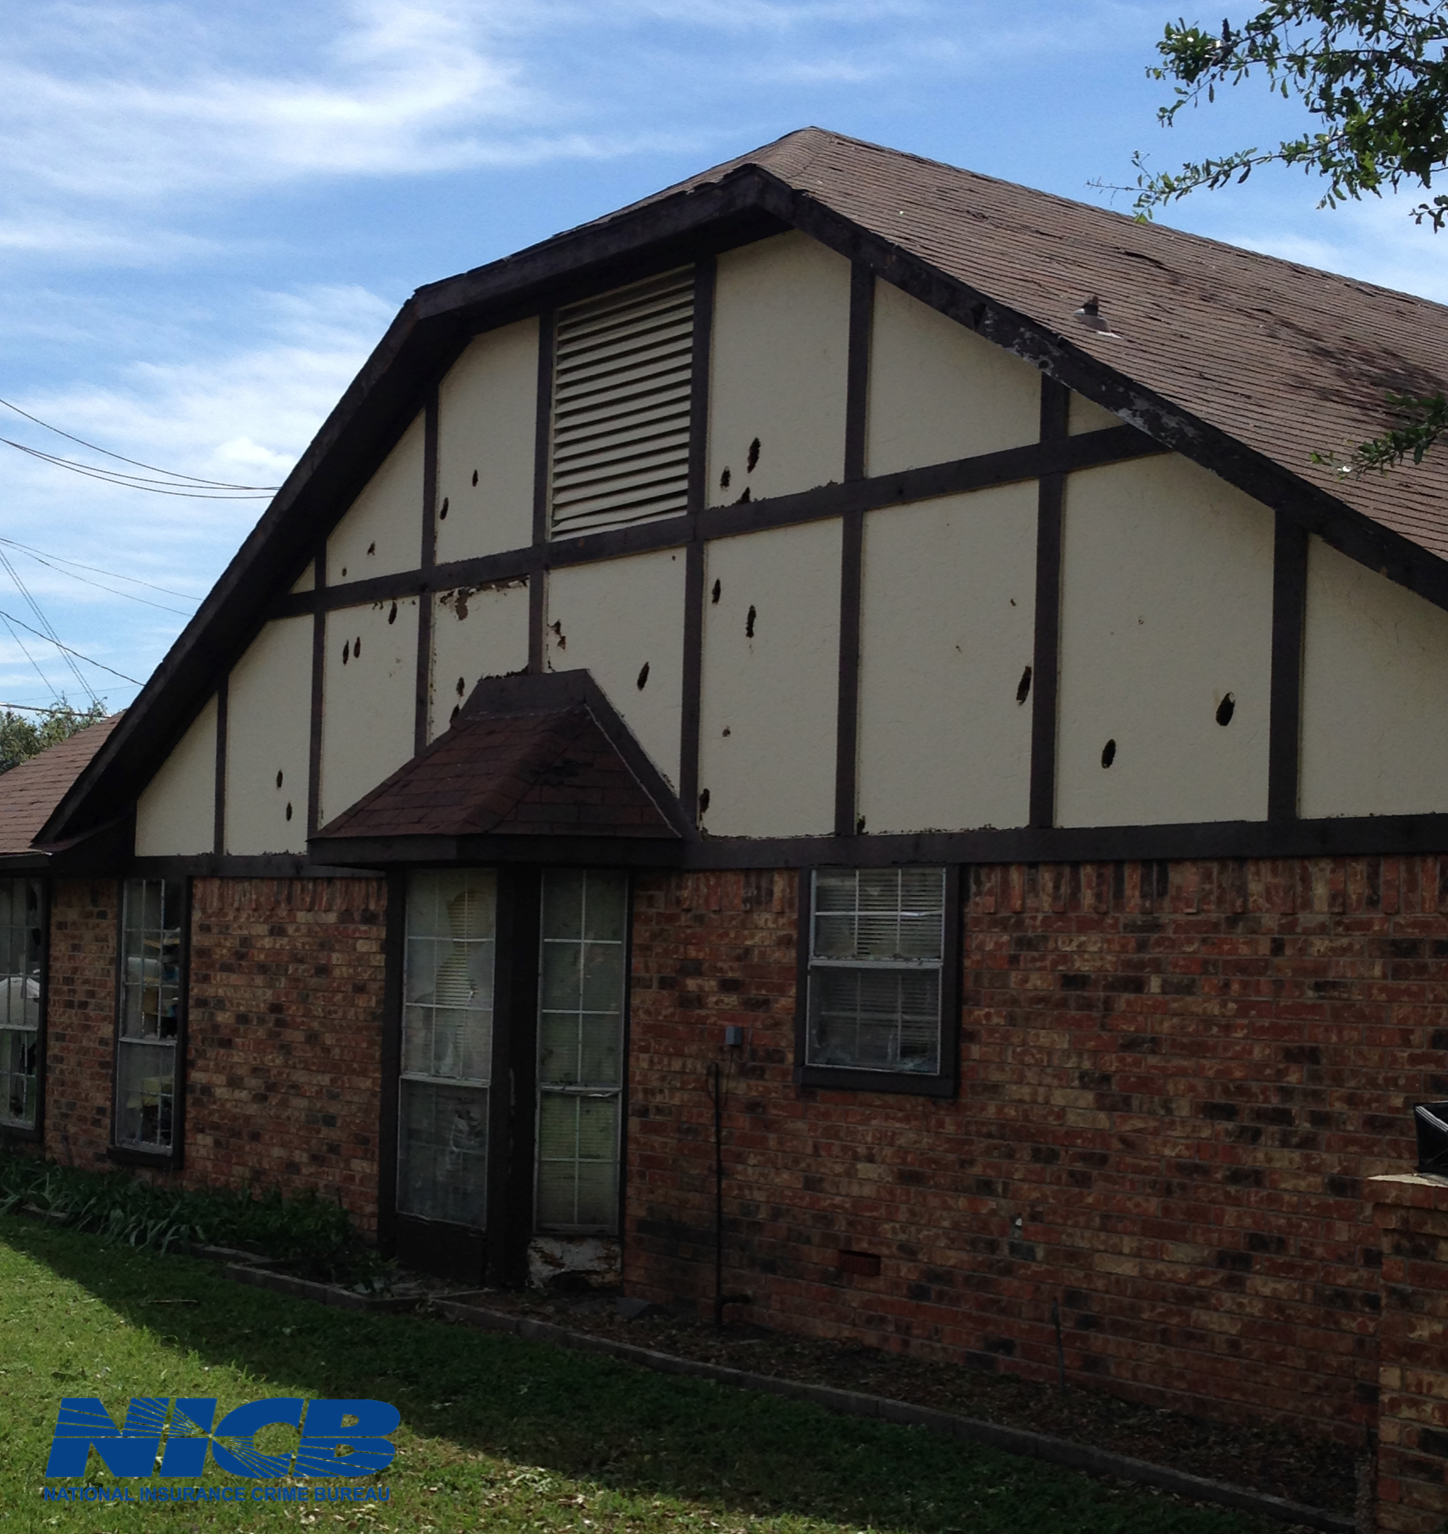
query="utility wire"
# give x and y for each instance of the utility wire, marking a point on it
(130, 481)
(49, 708)
(11, 618)
(26, 653)
(115, 575)
(215, 484)
(46, 625)
(130, 596)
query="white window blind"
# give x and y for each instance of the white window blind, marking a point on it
(622, 378)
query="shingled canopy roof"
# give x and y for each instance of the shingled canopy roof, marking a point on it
(1243, 362)
(529, 758)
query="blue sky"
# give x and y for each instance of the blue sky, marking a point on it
(208, 215)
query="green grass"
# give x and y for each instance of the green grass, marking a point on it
(497, 1433)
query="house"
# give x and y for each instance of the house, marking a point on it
(857, 644)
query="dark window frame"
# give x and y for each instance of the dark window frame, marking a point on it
(945, 1082)
(135, 1155)
(34, 1134)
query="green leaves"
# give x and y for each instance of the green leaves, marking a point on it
(23, 736)
(1371, 72)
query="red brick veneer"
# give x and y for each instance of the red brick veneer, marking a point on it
(80, 1020)
(1174, 1079)
(285, 1036)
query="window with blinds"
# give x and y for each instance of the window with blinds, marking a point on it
(622, 379)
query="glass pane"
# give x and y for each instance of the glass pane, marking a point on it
(447, 1023)
(563, 903)
(879, 913)
(560, 981)
(605, 908)
(442, 1153)
(600, 1048)
(151, 959)
(577, 1161)
(18, 1051)
(602, 980)
(558, 1048)
(875, 1019)
(145, 1088)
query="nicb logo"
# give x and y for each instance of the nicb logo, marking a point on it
(167, 1436)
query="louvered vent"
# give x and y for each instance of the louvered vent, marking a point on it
(622, 372)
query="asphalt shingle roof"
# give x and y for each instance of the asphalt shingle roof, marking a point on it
(31, 790)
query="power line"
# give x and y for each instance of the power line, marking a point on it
(215, 484)
(130, 596)
(26, 653)
(46, 625)
(129, 481)
(49, 708)
(11, 618)
(115, 575)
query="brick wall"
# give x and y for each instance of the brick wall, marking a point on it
(80, 1020)
(285, 1036)
(1412, 1213)
(1174, 1079)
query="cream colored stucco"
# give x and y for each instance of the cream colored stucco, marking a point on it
(306, 581)
(1166, 607)
(369, 708)
(176, 812)
(381, 532)
(769, 704)
(947, 633)
(938, 391)
(1374, 694)
(777, 368)
(614, 619)
(474, 634)
(1086, 415)
(487, 412)
(268, 740)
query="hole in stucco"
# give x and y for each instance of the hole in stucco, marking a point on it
(442, 510)
(643, 676)
(1225, 709)
(724, 480)
(475, 476)
(1024, 690)
(753, 461)
(749, 625)
(357, 647)
(860, 826)
(714, 594)
(279, 777)
(1108, 753)
(346, 652)
(289, 812)
(462, 686)
(703, 801)
(392, 616)
(371, 548)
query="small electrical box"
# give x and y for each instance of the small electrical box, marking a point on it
(733, 1036)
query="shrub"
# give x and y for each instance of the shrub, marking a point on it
(312, 1236)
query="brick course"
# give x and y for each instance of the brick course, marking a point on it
(285, 1036)
(80, 1020)
(1174, 1080)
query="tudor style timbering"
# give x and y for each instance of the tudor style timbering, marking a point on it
(1165, 606)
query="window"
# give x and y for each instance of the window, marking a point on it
(580, 1048)
(447, 1046)
(875, 960)
(622, 386)
(149, 1035)
(21, 946)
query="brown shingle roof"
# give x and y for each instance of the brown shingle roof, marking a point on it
(551, 773)
(1285, 358)
(30, 791)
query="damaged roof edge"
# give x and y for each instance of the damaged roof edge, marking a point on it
(748, 200)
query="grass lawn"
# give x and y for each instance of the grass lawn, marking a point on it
(497, 1433)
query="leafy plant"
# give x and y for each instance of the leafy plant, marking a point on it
(310, 1235)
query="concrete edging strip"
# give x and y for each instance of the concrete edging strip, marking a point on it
(1042, 1446)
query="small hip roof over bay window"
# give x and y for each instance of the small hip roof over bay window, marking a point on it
(536, 768)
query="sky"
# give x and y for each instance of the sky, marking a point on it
(209, 215)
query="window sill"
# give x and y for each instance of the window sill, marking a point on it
(841, 1078)
(128, 1155)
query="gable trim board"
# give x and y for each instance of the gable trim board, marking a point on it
(741, 204)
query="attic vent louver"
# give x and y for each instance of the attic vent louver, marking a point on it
(622, 378)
